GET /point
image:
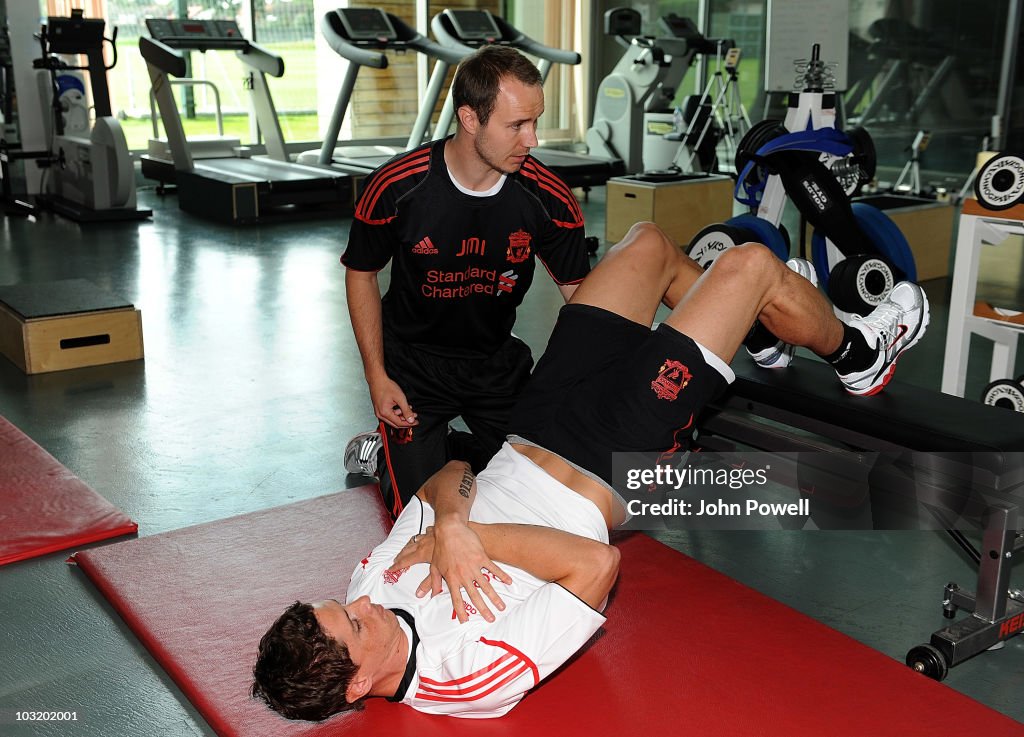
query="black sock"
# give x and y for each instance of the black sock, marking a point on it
(759, 338)
(853, 354)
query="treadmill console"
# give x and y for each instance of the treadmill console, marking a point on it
(473, 25)
(366, 24)
(678, 26)
(623, 22)
(194, 33)
(74, 35)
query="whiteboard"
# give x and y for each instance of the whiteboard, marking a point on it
(794, 26)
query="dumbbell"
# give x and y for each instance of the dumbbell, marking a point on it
(710, 242)
(1005, 393)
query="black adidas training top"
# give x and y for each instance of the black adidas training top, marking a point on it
(462, 264)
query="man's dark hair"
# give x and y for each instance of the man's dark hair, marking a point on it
(479, 76)
(301, 672)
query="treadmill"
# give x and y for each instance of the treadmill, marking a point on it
(475, 28)
(361, 35)
(233, 189)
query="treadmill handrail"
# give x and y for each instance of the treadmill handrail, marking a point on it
(262, 59)
(450, 54)
(169, 58)
(442, 29)
(205, 43)
(218, 114)
(409, 38)
(348, 50)
(510, 36)
(162, 56)
(536, 48)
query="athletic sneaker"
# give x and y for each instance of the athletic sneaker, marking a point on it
(892, 327)
(780, 355)
(361, 453)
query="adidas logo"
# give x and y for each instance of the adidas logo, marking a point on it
(424, 248)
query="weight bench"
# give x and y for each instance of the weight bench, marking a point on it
(911, 454)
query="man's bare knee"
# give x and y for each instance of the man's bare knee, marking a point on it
(749, 262)
(646, 240)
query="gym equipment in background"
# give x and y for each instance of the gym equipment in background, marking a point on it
(634, 120)
(858, 252)
(999, 184)
(361, 35)
(711, 241)
(913, 166)
(201, 146)
(908, 73)
(88, 171)
(461, 28)
(715, 117)
(994, 220)
(639, 91)
(57, 325)
(1005, 393)
(240, 188)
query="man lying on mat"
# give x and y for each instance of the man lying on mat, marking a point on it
(606, 383)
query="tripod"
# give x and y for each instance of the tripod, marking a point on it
(726, 111)
(913, 166)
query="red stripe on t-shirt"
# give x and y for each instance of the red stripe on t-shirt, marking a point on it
(391, 173)
(474, 674)
(472, 690)
(547, 181)
(412, 159)
(518, 653)
(523, 668)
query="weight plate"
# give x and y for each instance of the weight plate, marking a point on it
(763, 232)
(860, 283)
(709, 243)
(758, 135)
(864, 154)
(1006, 394)
(887, 240)
(1000, 182)
(751, 174)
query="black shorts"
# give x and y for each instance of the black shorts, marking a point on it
(440, 388)
(606, 384)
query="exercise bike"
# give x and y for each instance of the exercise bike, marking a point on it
(89, 175)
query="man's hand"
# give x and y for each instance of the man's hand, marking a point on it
(390, 404)
(419, 549)
(460, 560)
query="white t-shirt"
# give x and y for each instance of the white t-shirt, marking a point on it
(481, 669)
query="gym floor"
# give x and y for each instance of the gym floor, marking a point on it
(250, 388)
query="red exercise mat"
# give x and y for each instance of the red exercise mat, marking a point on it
(43, 506)
(685, 651)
